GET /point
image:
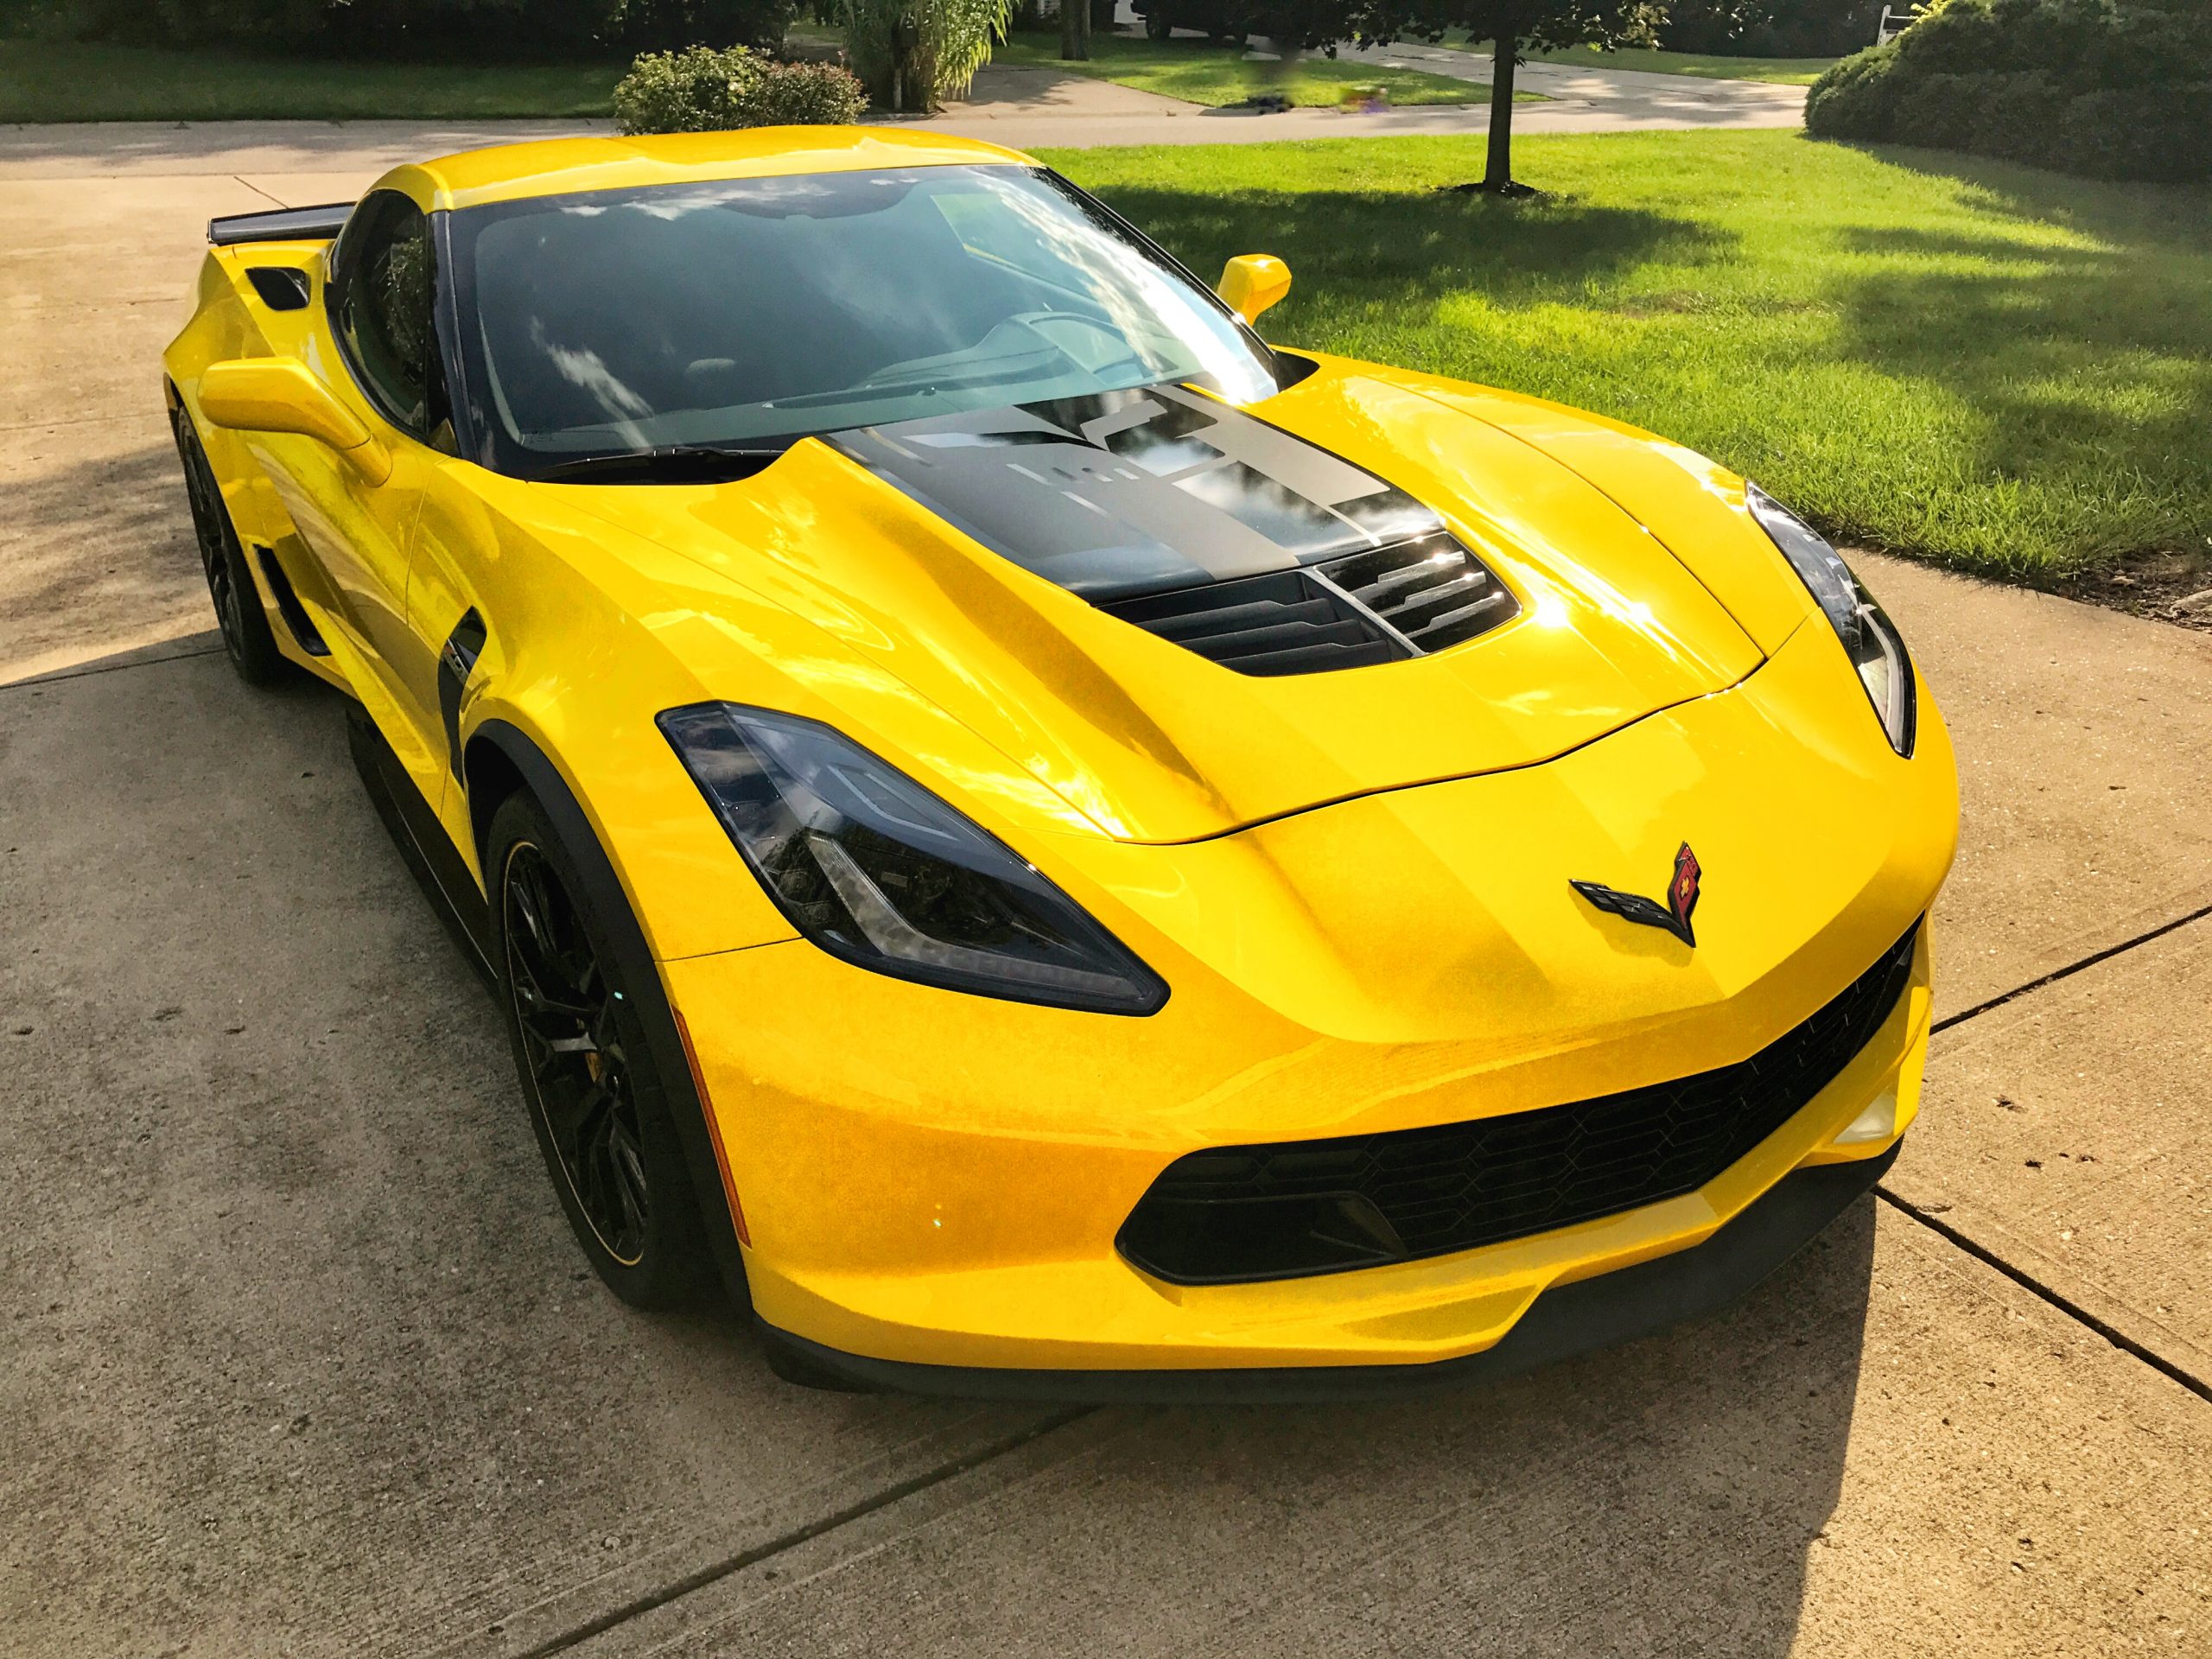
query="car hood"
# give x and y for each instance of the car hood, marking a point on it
(991, 563)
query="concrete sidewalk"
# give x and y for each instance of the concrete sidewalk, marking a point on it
(299, 1359)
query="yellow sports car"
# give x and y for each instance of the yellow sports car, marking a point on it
(1055, 848)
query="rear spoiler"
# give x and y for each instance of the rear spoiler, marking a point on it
(280, 225)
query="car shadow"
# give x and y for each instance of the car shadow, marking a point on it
(272, 1152)
(1664, 1496)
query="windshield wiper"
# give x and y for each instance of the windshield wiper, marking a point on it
(665, 463)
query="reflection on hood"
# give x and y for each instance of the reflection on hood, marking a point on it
(1143, 491)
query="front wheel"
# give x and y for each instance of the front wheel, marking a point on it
(597, 1100)
(1157, 24)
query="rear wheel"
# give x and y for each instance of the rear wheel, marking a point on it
(1157, 26)
(247, 638)
(600, 1108)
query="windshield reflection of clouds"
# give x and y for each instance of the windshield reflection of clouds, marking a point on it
(583, 370)
(768, 308)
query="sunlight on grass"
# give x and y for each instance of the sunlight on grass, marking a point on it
(1998, 368)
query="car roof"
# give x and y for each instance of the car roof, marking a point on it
(559, 166)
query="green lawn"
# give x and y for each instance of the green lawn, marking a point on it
(1787, 72)
(1993, 367)
(46, 80)
(1199, 71)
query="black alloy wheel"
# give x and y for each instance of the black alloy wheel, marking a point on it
(579, 1068)
(601, 1103)
(247, 637)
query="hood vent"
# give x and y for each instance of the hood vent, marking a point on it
(1409, 599)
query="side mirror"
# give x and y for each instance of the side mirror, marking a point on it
(278, 394)
(1252, 282)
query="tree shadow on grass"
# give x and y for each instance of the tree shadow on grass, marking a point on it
(1369, 247)
(2086, 355)
(2176, 216)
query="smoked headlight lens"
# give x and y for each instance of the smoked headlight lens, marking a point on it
(1870, 638)
(873, 868)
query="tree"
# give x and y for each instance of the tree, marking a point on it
(1075, 31)
(1509, 25)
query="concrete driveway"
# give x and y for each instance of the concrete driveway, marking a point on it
(298, 1357)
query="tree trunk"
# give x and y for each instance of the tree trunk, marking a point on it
(1498, 175)
(1075, 30)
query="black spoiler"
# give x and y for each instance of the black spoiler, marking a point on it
(280, 225)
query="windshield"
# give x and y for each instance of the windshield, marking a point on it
(744, 314)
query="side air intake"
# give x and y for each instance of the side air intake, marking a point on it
(1378, 605)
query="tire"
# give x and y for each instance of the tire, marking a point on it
(247, 638)
(601, 1110)
(1158, 25)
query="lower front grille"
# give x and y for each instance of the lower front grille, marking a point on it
(1237, 1214)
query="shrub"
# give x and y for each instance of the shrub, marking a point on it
(808, 95)
(701, 90)
(2116, 89)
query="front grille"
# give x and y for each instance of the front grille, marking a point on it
(1379, 605)
(1300, 1207)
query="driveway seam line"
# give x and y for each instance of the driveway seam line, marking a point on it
(258, 190)
(2069, 970)
(61, 674)
(854, 1511)
(2065, 1304)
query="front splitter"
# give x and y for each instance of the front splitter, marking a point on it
(1598, 1313)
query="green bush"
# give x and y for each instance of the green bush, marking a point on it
(2116, 89)
(701, 90)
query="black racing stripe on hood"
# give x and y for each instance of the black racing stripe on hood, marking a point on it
(1121, 494)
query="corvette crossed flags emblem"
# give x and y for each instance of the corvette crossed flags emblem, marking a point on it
(1674, 916)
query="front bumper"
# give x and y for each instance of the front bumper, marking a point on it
(919, 1234)
(1611, 1308)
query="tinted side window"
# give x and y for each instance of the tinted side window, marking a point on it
(380, 304)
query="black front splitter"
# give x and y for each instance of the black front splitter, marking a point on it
(1611, 1308)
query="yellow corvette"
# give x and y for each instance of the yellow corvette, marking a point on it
(1054, 847)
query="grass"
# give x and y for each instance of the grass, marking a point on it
(1781, 72)
(57, 80)
(1994, 368)
(1199, 71)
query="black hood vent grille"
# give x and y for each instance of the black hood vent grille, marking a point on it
(1380, 606)
(1279, 624)
(1197, 522)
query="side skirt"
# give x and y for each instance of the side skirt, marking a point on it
(438, 869)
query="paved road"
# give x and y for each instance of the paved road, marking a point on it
(298, 1358)
(1026, 107)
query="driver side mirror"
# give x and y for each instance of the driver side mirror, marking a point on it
(1252, 282)
(278, 394)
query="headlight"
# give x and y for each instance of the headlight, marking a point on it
(1870, 638)
(873, 868)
